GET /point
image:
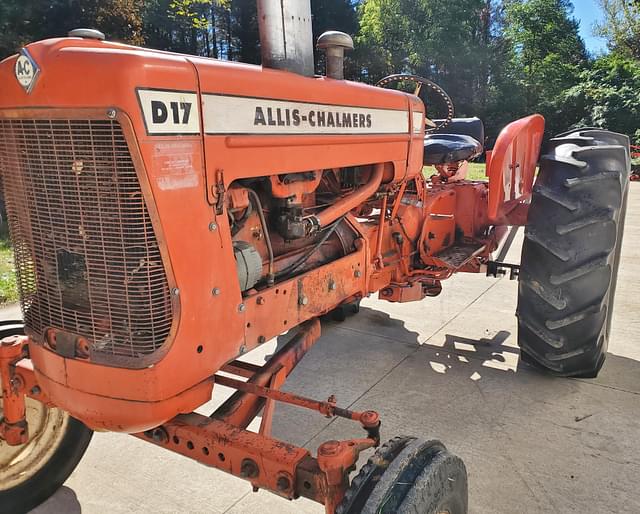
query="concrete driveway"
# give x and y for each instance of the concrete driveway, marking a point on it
(445, 368)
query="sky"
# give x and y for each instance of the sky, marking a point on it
(588, 12)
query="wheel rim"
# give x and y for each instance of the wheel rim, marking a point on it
(47, 427)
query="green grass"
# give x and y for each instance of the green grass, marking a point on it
(8, 286)
(476, 171)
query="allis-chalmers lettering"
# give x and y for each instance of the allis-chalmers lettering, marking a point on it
(283, 117)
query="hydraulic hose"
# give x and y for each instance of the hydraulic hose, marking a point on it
(344, 205)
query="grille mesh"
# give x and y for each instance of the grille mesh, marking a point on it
(87, 258)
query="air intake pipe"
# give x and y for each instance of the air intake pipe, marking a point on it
(334, 44)
(286, 40)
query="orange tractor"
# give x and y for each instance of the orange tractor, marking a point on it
(171, 213)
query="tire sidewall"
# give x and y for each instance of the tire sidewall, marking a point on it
(52, 475)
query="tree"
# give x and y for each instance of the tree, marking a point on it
(23, 22)
(452, 42)
(335, 15)
(621, 26)
(547, 55)
(607, 96)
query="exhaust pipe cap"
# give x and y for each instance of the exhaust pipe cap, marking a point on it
(334, 43)
(333, 38)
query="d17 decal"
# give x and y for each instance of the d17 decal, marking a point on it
(169, 112)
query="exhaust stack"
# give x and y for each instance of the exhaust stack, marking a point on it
(286, 39)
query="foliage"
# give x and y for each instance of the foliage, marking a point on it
(547, 55)
(336, 15)
(607, 96)
(448, 41)
(24, 21)
(8, 285)
(621, 26)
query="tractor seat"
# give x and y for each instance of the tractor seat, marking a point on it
(461, 140)
(445, 148)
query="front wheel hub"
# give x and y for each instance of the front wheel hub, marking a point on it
(47, 427)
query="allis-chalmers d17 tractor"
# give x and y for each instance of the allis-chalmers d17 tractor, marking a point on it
(170, 213)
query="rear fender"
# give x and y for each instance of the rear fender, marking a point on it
(511, 168)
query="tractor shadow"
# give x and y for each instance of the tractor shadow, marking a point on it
(456, 355)
(462, 358)
(376, 360)
(474, 357)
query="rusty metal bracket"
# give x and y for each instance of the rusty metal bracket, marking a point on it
(267, 463)
(496, 269)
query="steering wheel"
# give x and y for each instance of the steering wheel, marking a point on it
(420, 82)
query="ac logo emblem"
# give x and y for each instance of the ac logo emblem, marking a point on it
(26, 70)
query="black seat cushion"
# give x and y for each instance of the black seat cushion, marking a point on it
(463, 126)
(445, 148)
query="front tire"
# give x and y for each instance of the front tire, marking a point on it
(409, 476)
(571, 252)
(32, 472)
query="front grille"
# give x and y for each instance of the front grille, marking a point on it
(87, 258)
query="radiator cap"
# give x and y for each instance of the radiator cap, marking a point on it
(87, 34)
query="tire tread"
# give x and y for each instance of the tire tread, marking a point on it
(570, 253)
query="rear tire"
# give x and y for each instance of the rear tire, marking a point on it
(31, 473)
(571, 252)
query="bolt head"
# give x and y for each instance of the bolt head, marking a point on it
(332, 285)
(213, 226)
(357, 273)
(159, 435)
(241, 307)
(215, 291)
(303, 300)
(249, 469)
(111, 113)
(283, 483)
(175, 291)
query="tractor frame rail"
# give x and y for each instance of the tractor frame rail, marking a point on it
(222, 440)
